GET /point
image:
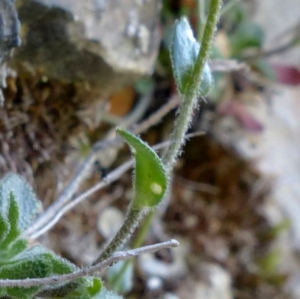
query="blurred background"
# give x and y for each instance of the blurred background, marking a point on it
(73, 70)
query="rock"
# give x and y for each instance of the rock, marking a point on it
(9, 29)
(110, 43)
(9, 37)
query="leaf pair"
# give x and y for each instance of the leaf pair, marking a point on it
(18, 207)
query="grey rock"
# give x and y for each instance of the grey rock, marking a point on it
(9, 37)
(110, 43)
(9, 29)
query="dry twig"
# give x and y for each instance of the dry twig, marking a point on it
(116, 257)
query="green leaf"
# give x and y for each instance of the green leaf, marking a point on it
(18, 206)
(28, 264)
(22, 268)
(4, 228)
(38, 262)
(27, 203)
(82, 288)
(11, 246)
(60, 290)
(184, 52)
(95, 287)
(150, 180)
(14, 249)
(247, 36)
(85, 287)
(13, 218)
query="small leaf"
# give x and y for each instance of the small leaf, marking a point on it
(13, 218)
(14, 249)
(28, 204)
(25, 268)
(150, 176)
(59, 291)
(95, 287)
(184, 52)
(79, 288)
(4, 228)
(38, 262)
(11, 245)
(247, 36)
(88, 289)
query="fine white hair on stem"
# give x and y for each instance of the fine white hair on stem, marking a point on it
(116, 257)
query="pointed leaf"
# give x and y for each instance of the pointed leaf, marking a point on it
(4, 228)
(14, 249)
(150, 180)
(79, 288)
(95, 287)
(11, 245)
(58, 291)
(248, 35)
(13, 218)
(184, 52)
(25, 268)
(27, 202)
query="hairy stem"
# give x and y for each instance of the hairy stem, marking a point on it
(181, 125)
(138, 242)
(132, 220)
(185, 113)
(189, 100)
(201, 18)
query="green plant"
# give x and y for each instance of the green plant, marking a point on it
(30, 272)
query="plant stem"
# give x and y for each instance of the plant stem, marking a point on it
(181, 125)
(201, 18)
(139, 240)
(132, 220)
(189, 100)
(185, 114)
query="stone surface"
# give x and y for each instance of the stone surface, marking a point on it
(110, 43)
(9, 28)
(9, 35)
